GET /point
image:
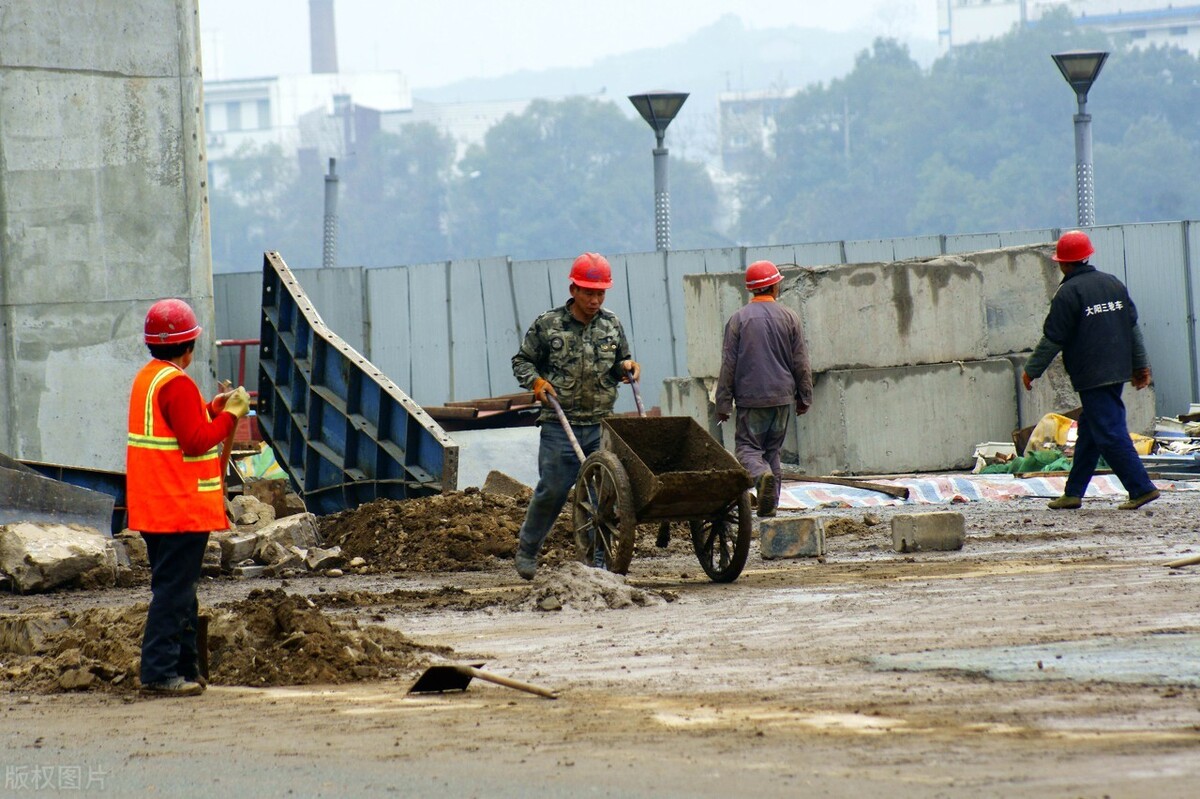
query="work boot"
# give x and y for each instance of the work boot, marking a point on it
(766, 494)
(1065, 502)
(664, 536)
(175, 686)
(1136, 502)
(526, 565)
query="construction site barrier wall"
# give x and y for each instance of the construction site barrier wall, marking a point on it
(446, 331)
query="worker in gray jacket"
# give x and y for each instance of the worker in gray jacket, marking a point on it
(764, 372)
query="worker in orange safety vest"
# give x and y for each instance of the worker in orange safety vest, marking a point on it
(174, 491)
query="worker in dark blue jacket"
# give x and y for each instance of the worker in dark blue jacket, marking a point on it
(1093, 322)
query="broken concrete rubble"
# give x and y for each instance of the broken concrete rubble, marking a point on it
(38, 557)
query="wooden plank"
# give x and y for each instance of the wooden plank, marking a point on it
(899, 492)
(443, 412)
(490, 404)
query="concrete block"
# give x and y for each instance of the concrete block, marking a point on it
(909, 312)
(135, 546)
(1018, 284)
(501, 484)
(299, 530)
(39, 557)
(269, 492)
(237, 547)
(937, 530)
(906, 419)
(318, 559)
(249, 571)
(250, 511)
(791, 537)
(27, 633)
(1052, 393)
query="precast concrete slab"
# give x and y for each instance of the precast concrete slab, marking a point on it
(692, 396)
(1155, 659)
(1018, 284)
(855, 315)
(512, 450)
(905, 419)
(1052, 393)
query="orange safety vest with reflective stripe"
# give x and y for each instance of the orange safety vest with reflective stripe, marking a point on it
(167, 491)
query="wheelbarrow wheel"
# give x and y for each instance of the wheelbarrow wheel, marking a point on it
(605, 525)
(722, 542)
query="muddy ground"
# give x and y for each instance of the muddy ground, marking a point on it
(863, 673)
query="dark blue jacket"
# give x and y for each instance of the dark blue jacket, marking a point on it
(1092, 319)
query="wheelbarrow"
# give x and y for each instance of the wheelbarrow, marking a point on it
(662, 469)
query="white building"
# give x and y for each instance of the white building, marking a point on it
(322, 112)
(1144, 22)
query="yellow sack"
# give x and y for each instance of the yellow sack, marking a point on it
(1051, 430)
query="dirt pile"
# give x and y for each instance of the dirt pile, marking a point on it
(460, 531)
(579, 587)
(270, 638)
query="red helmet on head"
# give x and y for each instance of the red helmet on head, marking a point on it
(171, 322)
(761, 275)
(591, 271)
(1074, 245)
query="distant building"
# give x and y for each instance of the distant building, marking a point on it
(748, 124)
(325, 115)
(1144, 22)
(466, 123)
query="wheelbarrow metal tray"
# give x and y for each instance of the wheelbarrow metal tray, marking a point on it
(676, 469)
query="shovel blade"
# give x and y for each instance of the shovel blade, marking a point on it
(439, 679)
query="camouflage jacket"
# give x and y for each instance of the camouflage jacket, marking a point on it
(582, 362)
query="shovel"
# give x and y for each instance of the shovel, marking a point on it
(455, 677)
(562, 419)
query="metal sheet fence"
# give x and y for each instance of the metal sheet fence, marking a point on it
(447, 331)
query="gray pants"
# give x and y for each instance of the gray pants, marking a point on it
(758, 438)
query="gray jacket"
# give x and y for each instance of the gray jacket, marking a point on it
(764, 360)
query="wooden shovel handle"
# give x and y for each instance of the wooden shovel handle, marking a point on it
(505, 681)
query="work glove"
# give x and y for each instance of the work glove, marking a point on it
(801, 408)
(1141, 377)
(238, 402)
(1028, 381)
(541, 388)
(722, 418)
(631, 366)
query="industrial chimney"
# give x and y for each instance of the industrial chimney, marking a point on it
(322, 37)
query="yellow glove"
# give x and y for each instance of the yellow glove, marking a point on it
(238, 403)
(541, 388)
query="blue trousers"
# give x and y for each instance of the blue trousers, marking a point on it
(558, 468)
(169, 642)
(758, 439)
(1104, 431)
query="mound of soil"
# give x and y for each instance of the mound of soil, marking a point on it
(270, 638)
(574, 585)
(460, 531)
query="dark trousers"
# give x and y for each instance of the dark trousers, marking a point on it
(758, 439)
(558, 468)
(169, 641)
(1103, 431)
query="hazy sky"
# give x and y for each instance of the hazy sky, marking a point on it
(435, 42)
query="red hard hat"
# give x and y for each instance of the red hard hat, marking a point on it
(591, 271)
(171, 322)
(1074, 245)
(761, 275)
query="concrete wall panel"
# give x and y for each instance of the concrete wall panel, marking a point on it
(1018, 284)
(1157, 279)
(894, 315)
(387, 300)
(906, 419)
(429, 331)
(1052, 393)
(503, 332)
(691, 262)
(650, 326)
(708, 302)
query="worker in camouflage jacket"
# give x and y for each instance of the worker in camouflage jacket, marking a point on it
(576, 354)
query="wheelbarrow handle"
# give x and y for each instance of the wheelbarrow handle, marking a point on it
(637, 394)
(566, 426)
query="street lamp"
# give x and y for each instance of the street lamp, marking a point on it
(658, 108)
(1080, 68)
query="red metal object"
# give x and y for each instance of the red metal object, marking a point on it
(241, 343)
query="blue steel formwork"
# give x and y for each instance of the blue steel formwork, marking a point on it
(342, 430)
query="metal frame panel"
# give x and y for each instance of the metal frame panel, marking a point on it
(650, 327)
(343, 431)
(1157, 279)
(502, 332)
(429, 333)
(388, 335)
(870, 251)
(468, 332)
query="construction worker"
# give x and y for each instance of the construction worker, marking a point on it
(1093, 322)
(576, 354)
(174, 491)
(764, 372)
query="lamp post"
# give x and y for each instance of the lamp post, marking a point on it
(658, 108)
(1080, 68)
